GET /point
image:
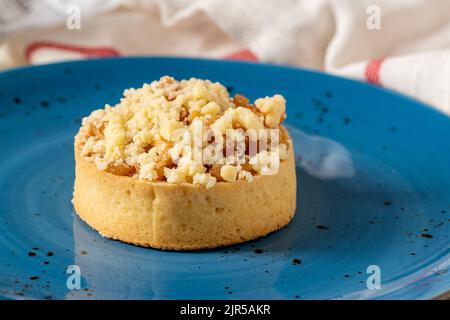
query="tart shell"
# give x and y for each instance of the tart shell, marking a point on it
(183, 216)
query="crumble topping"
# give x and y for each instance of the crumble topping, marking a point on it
(139, 137)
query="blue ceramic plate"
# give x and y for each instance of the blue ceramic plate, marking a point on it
(373, 173)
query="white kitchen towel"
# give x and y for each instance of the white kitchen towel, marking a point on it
(399, 44)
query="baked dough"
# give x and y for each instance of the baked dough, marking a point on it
(134, 183)
(184, 216)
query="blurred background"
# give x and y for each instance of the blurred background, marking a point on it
(402, 45)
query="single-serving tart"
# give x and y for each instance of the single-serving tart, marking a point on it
(181, 165)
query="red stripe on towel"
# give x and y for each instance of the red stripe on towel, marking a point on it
(372, 71)
(86, 51)
(245, 55)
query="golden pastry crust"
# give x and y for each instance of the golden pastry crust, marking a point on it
(184, 216)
